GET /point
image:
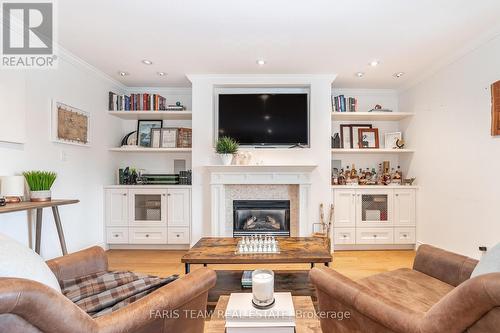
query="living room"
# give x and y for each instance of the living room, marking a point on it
(319, 166)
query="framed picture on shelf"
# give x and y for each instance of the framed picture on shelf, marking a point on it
(155, 137)
(368, 138)
(391, 140)
(144, 128)
(355, 138)
(169, 137)
(349, 135)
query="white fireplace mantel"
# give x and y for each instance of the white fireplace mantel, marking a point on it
(221, 175)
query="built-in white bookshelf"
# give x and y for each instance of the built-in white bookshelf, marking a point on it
(371, 151)
(150, 150)
(370, 116)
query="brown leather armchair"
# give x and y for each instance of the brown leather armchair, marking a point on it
(30, 307)
(436, 296)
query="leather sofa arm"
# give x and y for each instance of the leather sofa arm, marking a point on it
(446, 266)
(81, 263)
(163, 302)
(361, 299)
(466, 305)
(42, 307)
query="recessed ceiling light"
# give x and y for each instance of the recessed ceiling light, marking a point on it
(398, 74)
(161, 73)
(374, 63)
(261, 62)
(147, 62)
(123, 73)
(360, 74)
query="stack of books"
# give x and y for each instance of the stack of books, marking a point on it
(136, 102)
(242, 317)
(344, 104)
(246, 280)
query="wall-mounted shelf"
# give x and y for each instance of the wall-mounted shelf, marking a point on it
(371, 151)
(373, 116)
(152, 115)
(151, 150)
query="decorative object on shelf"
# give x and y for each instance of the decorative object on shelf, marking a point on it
(12, 188)
(336, 140)
(144, 131)
(263, 288)
(349, 134)
(391, 139)
(40, 183)
(156, 137)
(184, 137)
(176, 107)
(226, 147)
(379, 108)
(409, 181)
(169, 137)
(127, 176)
(400, 143)
(185, 177)
(130, 139)
(368, 138)
(3, 202)
(70, 125)
(243, 158)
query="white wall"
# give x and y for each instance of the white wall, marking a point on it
(203, 150)
(84, 170)
(456, 160)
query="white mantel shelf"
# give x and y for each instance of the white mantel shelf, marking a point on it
(262, 168)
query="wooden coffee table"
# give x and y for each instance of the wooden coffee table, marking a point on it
(294, 250)
(307, 322)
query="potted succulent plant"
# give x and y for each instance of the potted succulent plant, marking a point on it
(226, 147)
(40, 183)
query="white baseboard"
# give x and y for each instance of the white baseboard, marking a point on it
(146, 247)
(372, 247)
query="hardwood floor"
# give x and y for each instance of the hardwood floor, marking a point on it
(354, 264)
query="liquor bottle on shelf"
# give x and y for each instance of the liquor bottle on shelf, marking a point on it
(397, 177)
(362, 177)
(341, 177)
(335, 177)
(380, 175)
(386, 177)
(354, 173)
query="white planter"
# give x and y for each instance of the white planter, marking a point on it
(40, 196)
(226, 159)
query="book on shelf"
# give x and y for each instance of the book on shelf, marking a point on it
(246, 279)
(140, 102)
(341, 103)
(242, 317)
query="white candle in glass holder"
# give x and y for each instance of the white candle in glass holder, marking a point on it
(263, 287)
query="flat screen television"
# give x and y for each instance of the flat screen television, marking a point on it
(264, 119)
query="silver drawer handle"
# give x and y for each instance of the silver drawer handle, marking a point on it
(375, 236)
(115, 235)
(147, 235)
(404, 235)
(345, 236)
(177, 235)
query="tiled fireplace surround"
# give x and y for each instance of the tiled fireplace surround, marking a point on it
(230, 183)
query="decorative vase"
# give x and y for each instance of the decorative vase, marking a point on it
(226, 159)
(38, 196)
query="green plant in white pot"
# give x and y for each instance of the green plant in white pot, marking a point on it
(40, 183)
(226, 147)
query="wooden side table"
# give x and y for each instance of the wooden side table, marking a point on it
(54, 204)
(307, 322)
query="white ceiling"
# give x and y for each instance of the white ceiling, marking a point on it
(308, 36)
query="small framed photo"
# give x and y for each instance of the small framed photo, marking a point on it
(169, 137)
(155, 137)
(355, 138)
(144, 131)
(345, 136)
(391, 139)
(368, 138)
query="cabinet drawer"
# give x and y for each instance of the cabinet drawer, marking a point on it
(374, 236)
(117, 235)
(178, 235)
(404, 235)
(148, 235)
(344, 235)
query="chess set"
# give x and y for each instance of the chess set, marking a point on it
(257, 244)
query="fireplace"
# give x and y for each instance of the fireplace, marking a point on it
(266, 217)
